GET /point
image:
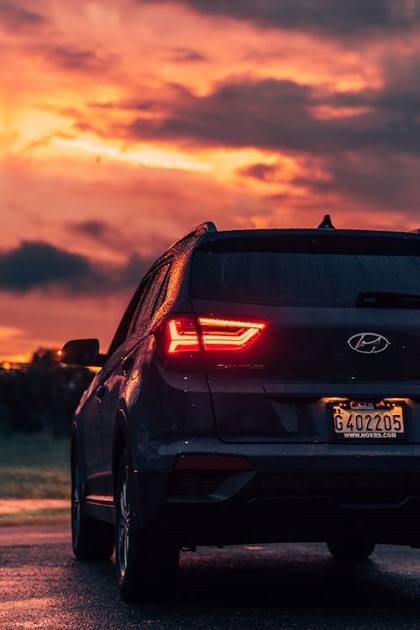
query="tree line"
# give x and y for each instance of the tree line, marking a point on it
(41, 396)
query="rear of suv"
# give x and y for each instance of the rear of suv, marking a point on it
(262, 386)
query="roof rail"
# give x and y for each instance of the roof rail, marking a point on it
(326, 223)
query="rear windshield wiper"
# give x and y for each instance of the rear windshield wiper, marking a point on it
(386, 299)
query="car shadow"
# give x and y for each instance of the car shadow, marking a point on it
(294, 576)
(294, 585)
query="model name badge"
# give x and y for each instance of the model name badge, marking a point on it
(240, 366)
(368, 343)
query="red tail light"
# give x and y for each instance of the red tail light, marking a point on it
(226, 334)
(182, 335)
(185, 334)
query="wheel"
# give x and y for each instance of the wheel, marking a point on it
(351, 550)
(146, 563)
(91, 539)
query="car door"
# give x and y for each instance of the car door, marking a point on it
(89, 443)
(124, 364)
(90, 416)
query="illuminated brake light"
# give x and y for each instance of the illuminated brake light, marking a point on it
(226, 334)
(183, 335)
(212, 334)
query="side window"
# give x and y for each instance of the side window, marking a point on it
(152, 299)
(163, 289)
(124, 326)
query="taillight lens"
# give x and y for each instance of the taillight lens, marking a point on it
(182, 335)
(227, 334)
(185, 334)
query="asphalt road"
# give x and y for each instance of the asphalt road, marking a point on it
(275, 586)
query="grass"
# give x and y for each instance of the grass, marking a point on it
(34, 466)
(25, 482)
(34, 450)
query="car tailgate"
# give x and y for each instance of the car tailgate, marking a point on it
(279, 387)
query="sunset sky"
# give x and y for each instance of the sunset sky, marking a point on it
(125, 123)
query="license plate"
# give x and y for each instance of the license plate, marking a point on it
(368, 421)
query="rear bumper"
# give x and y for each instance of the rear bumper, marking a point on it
(310, 493)
(302, 519)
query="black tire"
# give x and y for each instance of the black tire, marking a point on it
(146, 564)
(351, 550)
(91, 539)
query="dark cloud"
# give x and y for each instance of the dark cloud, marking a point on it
(102, 232)
(94, 229)
(382, 182)
(246, 113)
(262, 172)
(186, 55)
(138, 105)
(39, 265)
(113, 238)
(334, 17)
(15, 17)
(77, 60)
(281, 115)
(389, 182)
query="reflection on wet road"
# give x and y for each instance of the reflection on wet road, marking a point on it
(273, 586)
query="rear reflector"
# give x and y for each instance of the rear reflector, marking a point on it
(212, 334)
(212, 462)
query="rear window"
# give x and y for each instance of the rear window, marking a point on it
(300, 278)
